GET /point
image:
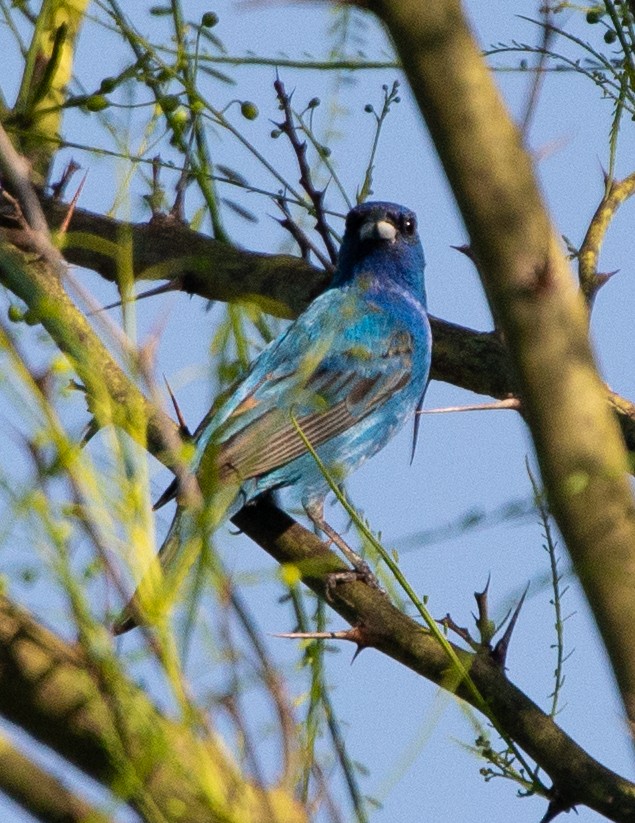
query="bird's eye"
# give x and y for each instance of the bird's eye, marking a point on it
(408, 226)
(352, 222)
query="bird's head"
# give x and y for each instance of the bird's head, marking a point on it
(381, 239)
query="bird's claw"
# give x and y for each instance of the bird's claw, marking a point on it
(361, 571)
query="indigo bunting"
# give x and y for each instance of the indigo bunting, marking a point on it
(348, 373)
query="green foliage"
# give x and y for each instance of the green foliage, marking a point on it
(165, 117)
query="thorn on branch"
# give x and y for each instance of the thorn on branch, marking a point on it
(467, 251)
(89, 432)
(58, 188)
(485, 626)
(499, 653)
(600, 279)
(557, 805)
(462, 632)
(156, 198)
(177, 212)
(164, 288)
(177, 409)
(71, 208)
(355, 634)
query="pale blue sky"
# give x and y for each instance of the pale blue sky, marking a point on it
(408, 735)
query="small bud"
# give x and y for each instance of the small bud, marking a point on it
(249, 110)
(60, 365)
(290, 574)
(180, 117)
(593, 16)
(15, 313)
(209, 19)
(313, 103)
(107, 85)
(96, 102)
(610, 36)
(275, 133)
(169, 103)
(368, 108)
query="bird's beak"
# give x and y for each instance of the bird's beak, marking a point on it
(378, 230)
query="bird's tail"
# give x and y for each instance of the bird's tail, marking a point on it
(161, 583)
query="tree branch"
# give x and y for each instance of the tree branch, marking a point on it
(380, 625)
(590, 279)
(281, 284)
(37, 114)
(46, 687)
(41, 794)
(576, 776)
(530, 287)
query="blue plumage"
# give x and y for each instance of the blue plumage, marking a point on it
(351, 370)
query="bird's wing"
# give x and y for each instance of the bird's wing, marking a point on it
(326, 375)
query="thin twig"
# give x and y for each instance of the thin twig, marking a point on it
(287, 126)
(548, 34)
(590, 280)
(305, 244)
(15, 171)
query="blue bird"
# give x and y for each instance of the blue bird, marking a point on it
(350, 371)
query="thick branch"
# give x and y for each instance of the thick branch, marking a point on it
(47, 688)
(577, 777)
(41, 794)
(165, 249)
(37, 113)
(532, 292)
(281, 284)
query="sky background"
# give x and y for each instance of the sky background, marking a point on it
(411, 737)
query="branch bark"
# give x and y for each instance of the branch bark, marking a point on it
(281, 284)
(583, 463)
(37, 113)
(47, 688)
(41, 794)
(577, 777)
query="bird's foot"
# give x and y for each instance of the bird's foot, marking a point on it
(360, 571)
